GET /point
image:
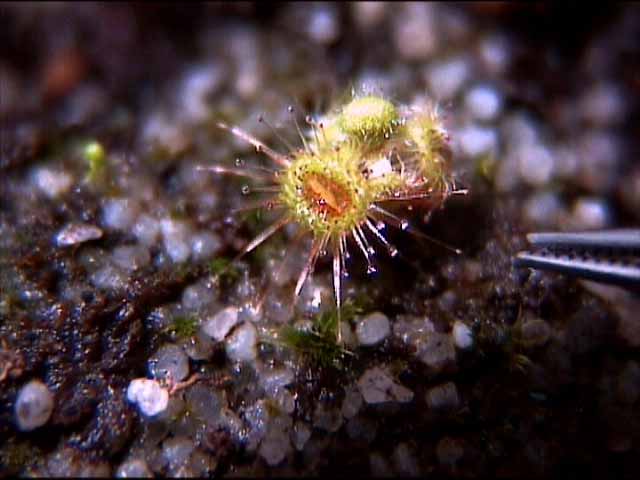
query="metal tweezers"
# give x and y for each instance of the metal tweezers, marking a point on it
(608, 256)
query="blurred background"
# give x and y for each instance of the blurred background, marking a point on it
(542, 104)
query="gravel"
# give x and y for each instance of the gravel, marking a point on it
(52, 183)
(437, 351)
(75, 233)
(483, 102)
(176, 238)
(150, 397)
(373, 329)
(376, 386)
(34, 405)
(218, 326)
(241, 344)
(119, 213)
(169, 362)
(462, 335)
(134, 468)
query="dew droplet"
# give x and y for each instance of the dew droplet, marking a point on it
(371, 250)
(380, 225)
(309, 119)
(239, 162)
(258, 148)
(323, 253)
(371, 270)
(246, 190)
(290, 109)
(404, 224)
(393, 251)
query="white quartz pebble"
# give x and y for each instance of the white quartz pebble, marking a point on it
(373, 328)
(241, 345)
(34, 405)
(150, 397)
(218, 326)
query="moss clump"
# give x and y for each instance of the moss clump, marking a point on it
(319, 344)
(183, 326)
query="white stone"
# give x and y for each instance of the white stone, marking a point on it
(196, 89)
(134, 468)
(75, 233)
(373, 328)
(109, 278)
(475, 141)
(218, 326)
(544, 209)
(150, 397)
(446, 78)
(119, 213)
(377, 386)
(175, 235)
(483, 102)
(146, 229)
(495, 53)
(437, 351)
(131, 257)
(197, 296)
(241, 344)
(462, 335)
(415, 34)
(590, 214)
(274, 380)
(171, 362)
(176, 450)
(52, 183)
(161, 131)
(204, 245)
(536, 164)
(34, 405)
(323, 26)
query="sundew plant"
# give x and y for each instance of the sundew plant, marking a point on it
(352, 164)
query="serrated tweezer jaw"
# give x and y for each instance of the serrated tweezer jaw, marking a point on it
(609, 256)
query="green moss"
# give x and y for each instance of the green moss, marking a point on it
(319, 344)
(183, 326)
(224, 269)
